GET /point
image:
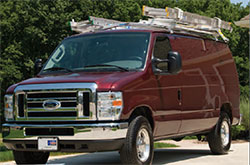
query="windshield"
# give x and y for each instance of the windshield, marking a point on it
(104, 51)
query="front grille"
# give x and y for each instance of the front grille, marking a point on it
(52, 95)
(20, 104)
(69, 104)
(52, 114)
(67, 100)
(55, 104)
(49, 131)
(36, 100)
(86, 103)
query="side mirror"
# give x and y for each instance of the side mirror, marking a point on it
(174, 62)
(171, 65)
(38, 66)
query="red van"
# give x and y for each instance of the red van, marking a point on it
(122, 90)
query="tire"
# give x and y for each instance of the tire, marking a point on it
(219, 139)
(178, 139)
(138, 147)
(27, 157)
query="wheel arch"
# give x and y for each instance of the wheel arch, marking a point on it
(145, 111)
(227, 108)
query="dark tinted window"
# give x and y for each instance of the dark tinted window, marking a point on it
(127, 50)
(162, 47)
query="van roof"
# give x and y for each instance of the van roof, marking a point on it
(144, 30)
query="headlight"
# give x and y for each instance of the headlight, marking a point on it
(8, 107)
(109, 105)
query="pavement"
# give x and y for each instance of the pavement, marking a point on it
(190, 152)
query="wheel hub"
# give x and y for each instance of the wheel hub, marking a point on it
(143, 145)
(225, 133)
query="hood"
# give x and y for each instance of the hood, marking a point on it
(104, 80)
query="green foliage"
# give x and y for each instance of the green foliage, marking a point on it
(190, 137)
(31, 29)
(244, 110)
(6, 156)
(163, 145)
(240, 131)
(236, 131)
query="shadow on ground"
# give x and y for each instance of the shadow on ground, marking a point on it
(161, 156)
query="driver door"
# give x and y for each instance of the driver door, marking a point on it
(168, 116)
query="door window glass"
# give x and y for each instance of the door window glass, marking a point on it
(162, 47)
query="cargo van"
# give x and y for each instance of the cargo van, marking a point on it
(122, 90)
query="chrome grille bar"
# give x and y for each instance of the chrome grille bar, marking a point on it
(35, 97)
(55, 98)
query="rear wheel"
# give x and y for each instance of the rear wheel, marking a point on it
(178, 139)
(27, 157)
(219, 139)
(138, 146)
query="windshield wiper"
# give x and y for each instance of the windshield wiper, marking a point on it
(107, 65)
(58, 68)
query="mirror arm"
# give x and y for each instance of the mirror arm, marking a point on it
(157, 60)
(158, 70)
(38, 66)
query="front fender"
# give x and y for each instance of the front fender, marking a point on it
(134, 101)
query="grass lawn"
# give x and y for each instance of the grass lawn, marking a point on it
(163, 145)
(5, 154)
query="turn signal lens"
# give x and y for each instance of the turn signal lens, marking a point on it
(117, 103)
(8, 107)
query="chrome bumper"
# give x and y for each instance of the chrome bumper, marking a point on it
(95, 137)
(101, 131)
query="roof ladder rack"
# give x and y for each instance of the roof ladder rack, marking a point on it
(170, 19)
(189, 20)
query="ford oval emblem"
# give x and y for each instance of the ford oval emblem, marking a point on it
(51, 104)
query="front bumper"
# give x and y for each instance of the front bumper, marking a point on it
(71, 137)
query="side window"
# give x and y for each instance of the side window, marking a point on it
(162, 47)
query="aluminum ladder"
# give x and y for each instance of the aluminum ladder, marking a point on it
(169, 19)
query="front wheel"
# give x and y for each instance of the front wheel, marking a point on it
(138, 146)
(219, 139)
(27, 157)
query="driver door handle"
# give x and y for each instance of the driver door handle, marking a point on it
(179, 94)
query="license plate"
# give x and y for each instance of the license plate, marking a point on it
(47, 143)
